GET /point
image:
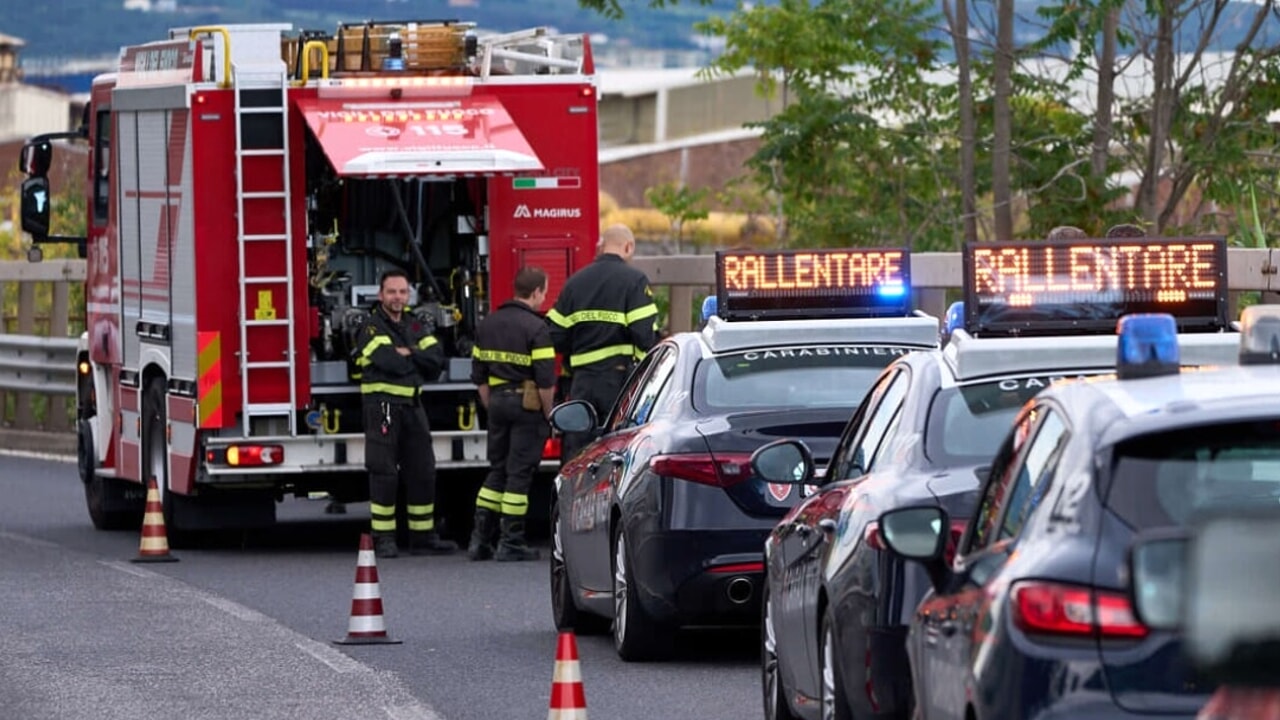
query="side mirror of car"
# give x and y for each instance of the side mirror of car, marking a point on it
(575, 416)
(1225, 584)
(783, 462)
(919, 534)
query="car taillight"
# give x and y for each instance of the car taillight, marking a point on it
(247, 455)
(725, 470)
(1044, 608)
(551, 449)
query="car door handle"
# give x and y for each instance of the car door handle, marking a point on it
(948, 628)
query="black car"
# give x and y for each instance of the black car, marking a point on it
(660, 522)
(1033, 618)
(836, 604)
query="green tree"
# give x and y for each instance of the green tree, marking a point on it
(853, 156)
(681, 205)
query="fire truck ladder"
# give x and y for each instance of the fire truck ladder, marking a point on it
(260, 91)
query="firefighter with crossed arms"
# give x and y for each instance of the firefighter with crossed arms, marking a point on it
(513, 366)
(603, 322)
(396, 356)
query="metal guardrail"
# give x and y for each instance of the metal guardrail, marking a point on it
(38, 364)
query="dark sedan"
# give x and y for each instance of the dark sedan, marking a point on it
(837, 605)
(1032, 619)
(660, 522)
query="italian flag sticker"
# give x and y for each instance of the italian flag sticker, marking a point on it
(545, 183)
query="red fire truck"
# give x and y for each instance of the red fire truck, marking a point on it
(247, 184)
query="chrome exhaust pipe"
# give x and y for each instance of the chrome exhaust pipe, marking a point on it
(739, 590)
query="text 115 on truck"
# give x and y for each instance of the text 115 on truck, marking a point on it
(247, 185)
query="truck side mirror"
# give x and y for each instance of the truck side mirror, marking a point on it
(35, 159)
(35, 207)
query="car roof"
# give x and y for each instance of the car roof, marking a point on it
(720, 336)
(968, 358)
(1210, 392)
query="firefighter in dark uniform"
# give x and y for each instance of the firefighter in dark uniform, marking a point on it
(396, 356)
(513, 365)
(603, 322)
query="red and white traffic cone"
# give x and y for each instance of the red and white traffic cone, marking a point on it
(366, 626)
(154, 545)
(568, 697)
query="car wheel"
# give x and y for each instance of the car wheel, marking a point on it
(636, 636)
(834, 704)
(112, 503)
(564, 610)
(775, 694)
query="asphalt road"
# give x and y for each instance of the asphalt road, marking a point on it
(242, 627)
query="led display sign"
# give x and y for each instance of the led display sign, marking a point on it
(1087, 285)
(755, 284)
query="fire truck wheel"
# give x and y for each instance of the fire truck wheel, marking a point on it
(155, 454)
(113, 504)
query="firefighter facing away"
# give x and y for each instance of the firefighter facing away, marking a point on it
(513, 365)
(603, 322)
(398, 354)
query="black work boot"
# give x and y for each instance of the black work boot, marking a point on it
(483, 534)
(512, 546)
(430, 543)
(384, 545)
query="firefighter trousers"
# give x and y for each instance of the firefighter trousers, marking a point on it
(516, 438)
(398, 452)
(600, 387)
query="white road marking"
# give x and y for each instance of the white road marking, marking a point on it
(337, 661)
(134, 570)
(235, 609)
(32, 455)
(411, 712)
(27, 539)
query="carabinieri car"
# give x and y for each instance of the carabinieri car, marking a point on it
(836, 604)
(659, 523)
(1034, 618)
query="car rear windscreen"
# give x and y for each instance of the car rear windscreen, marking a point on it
(967, 423)
(795, 377)
(1163, 479)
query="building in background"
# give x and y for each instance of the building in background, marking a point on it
(25, 109)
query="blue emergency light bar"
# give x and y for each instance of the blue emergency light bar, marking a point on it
(813, 283)
(954, 319)
(708, 307)
(1147, 346)
(1087, 285)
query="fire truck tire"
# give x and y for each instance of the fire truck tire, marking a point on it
(155, 455)
(113, 504)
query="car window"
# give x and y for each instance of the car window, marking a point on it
(630, 389)
(867, 449)
(842, 458)
(982, 531)
(967, 423)
(1164, 479)
(1034, 474)
(811, 376)
(651, 388)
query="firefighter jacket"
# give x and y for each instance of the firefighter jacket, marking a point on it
(513, 345)
(604, 312)
(385, 374)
